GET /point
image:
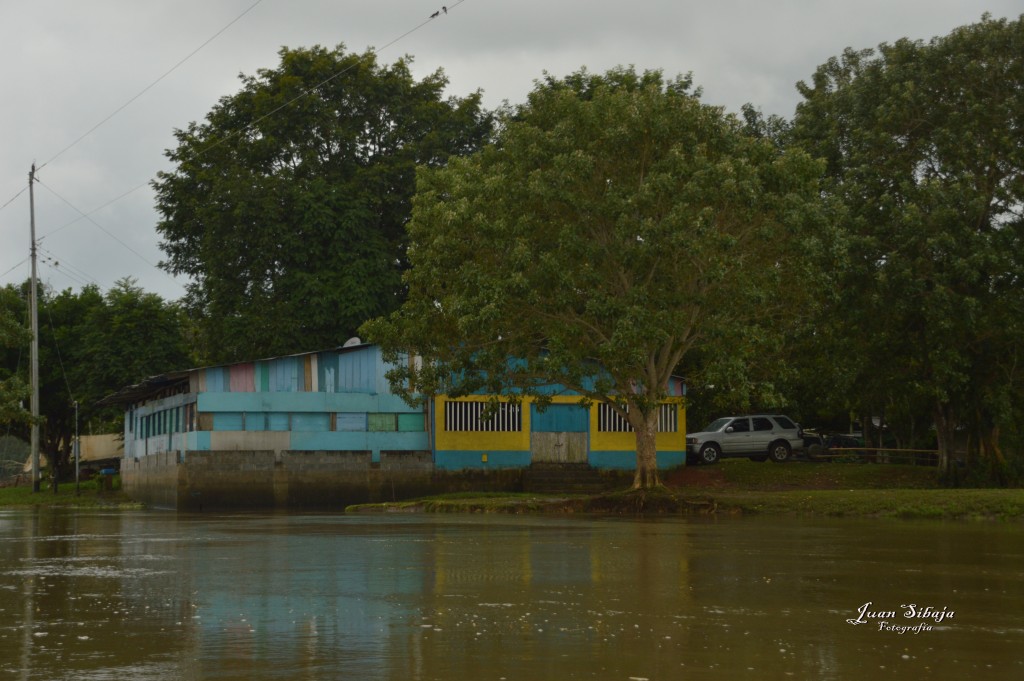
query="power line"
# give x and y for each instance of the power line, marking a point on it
(68, 270)
(311, 88)
(11, 200)
(108, 232)
(140, 93)
(66, 275)
(59, 262)
(14, 268)
(151, 85)
(87, 216)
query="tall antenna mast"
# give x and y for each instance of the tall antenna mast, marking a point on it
(33, 305)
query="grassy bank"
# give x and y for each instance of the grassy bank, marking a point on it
(89, 496)
(745, 487)
(1002, 504)
(732, 487)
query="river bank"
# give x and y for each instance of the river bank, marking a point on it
(745, 487)
(88, 495)
(732, 487)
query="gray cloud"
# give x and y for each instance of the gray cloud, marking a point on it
(70, 64)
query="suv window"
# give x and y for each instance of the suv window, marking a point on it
(761, 423)
(740, 425)
(716, 425)
(784, 422)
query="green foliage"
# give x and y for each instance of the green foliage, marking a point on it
(13, 391)
(616, 222)
(287, 206)
(923, 147)
(89, 496)
(91, 345)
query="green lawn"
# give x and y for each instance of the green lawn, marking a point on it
(90, 496)
(740, 486)
(743, 474)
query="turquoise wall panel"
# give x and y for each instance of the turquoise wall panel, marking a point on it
(227, 420)
(284, 374)
(374, 442)
(216, 380)
(316, 422)
(327, 372)
(455, 460)
(411, 423)
(255, 420)
(303, 402)
(352, 421)
(559, 418)
(277, 421)
(626, 460)
(198, 441)
(358, 370)
(262, 377)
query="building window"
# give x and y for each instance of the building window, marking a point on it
(412, 423)
(255, 420)
(382, 423)
(317, 422)
(228, 421)
(610, 421)
(351, 421)
(474, 416)
(279, 421)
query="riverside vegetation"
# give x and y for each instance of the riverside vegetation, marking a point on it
(91, 495)
(745, 487)
(732, 487)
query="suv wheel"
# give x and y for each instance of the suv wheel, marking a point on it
(709, 453)
(780, 451)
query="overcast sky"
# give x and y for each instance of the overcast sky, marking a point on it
(71, 64)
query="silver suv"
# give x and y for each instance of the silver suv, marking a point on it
(760, 437)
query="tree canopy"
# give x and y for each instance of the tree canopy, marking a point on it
(923, 144)
(13, 390)
(615, 225)
(287, 206)
(92, 344)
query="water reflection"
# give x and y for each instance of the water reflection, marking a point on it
(160, 596)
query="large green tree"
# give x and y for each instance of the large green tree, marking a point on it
(925, 147)
(287, 207)
(616, 225)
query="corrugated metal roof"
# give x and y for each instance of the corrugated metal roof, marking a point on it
(154, 384)
(145, 388)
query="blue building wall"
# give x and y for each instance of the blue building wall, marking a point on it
(333, 400)
(340, 400)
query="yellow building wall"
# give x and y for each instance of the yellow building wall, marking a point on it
(617, 442)
(475, 440)
(520, 441)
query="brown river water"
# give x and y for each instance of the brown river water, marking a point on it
(144, 595)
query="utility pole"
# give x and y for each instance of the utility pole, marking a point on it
(33, 305)
(78, 450)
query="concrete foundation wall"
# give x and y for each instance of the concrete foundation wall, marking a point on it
(154, 479)
(296, 479)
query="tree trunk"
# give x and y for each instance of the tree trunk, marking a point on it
(990, 454)
(944, 433)
(646, 452)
